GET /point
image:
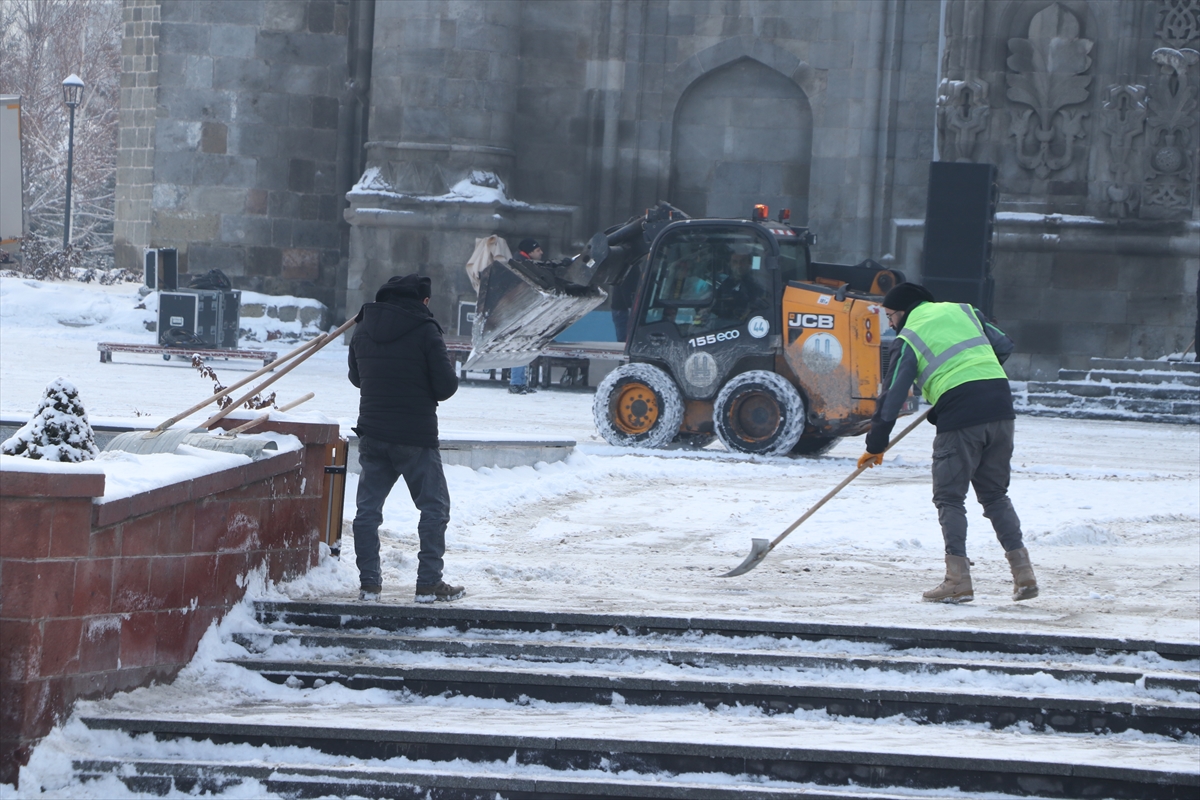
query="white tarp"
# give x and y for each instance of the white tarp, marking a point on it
(489, 249)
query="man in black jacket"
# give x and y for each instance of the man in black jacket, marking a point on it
(399, 363)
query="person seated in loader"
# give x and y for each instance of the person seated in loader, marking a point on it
(953, 356)
(739, 292)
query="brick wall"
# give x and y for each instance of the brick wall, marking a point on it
(97, 598)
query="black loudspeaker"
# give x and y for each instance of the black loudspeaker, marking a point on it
(150, 269)
(160, 268)
(958, 233)
(168, 263)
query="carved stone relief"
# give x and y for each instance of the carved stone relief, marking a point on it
(1048, 66)
(1178, 22)
(1123, 118)
(963, 113)
(1170, 139)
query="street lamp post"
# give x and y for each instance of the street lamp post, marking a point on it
(72, 91)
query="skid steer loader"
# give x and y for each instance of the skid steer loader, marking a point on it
(735, 332)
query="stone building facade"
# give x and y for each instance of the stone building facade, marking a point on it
(317, 147)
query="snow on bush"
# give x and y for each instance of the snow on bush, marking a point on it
(59, 431)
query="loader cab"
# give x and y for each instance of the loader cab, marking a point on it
(708, 305)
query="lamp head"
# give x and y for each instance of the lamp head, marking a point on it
(72, 90)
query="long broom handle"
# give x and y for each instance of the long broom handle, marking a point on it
(231, 389)
(264, 417)
(843, 484)
(321, 341)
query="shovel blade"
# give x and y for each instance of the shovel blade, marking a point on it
(758, 551)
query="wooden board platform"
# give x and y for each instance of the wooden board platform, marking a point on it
(573, 357)
(108, 348)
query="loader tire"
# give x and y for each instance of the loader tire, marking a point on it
(814, 445)
(759, 412)
(638, 405)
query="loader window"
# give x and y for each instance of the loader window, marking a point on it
(708, 279)
(793, 260)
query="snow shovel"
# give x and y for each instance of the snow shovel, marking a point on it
(169, 441)
(760, 547)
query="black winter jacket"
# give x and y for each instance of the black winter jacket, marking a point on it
(398, 360)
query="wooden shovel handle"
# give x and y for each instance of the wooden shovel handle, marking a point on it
(231, 389)
(843, 484)
(261, 418)
(320, 342)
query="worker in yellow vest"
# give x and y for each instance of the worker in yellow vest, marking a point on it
(953, 355)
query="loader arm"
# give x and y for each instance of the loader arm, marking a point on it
(523, 305)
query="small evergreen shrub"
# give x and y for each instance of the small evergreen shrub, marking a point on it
(59, 431)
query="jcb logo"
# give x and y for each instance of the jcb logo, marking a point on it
(823, 321)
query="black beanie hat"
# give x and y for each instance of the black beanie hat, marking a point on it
(528, 245)
(414, 286)
(907, 296)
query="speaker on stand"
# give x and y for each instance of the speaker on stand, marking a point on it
(959, 215)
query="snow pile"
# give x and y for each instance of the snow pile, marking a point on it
(371, 181)
(59, 430)
(305, 323)
(481, 186)
(44, 304)
(1074, 535)
(128, 474)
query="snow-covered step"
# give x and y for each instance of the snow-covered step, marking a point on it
(485, 782)
(1118, 389)
(925, 675)
(1141, 365)
(1108, 408)
(468, 782)
(835, 693)
(1162, 391)
(666, 743)
(1145, 378)
(717, 651)
(388, 617)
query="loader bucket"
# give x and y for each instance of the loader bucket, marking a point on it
(517, 315)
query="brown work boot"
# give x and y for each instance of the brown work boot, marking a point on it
(441, 592)
(1024, 583)
(957, 586)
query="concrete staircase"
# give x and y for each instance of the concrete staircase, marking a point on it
(1119, 389)
(511, 704)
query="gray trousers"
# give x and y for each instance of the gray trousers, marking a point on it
(421, 467)
(979, 456)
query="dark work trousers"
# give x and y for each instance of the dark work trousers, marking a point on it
(978, 456)
(421, 467)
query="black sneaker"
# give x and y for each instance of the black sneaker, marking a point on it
(517, 390)
(441, 592)
(369, 594)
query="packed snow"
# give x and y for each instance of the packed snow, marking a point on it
(1111, 512)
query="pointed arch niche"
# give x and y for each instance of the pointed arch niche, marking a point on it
(742, 134)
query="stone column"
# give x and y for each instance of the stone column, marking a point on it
(135, 150)
(444, 93)
(440, 155)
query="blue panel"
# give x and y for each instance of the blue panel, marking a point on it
(596, 326)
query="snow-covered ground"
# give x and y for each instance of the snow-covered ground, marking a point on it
(1111, 510)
